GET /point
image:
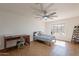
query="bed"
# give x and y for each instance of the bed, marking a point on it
(43, 37)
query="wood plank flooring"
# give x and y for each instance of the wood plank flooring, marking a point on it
(60, 48)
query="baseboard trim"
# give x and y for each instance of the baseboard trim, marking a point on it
(4, 50)
(63, 40)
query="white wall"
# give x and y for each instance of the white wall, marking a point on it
(12, 23)
(18, 19)
(69, 25)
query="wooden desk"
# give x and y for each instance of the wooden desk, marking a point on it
(16, 37)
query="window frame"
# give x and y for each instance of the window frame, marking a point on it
(57, 29)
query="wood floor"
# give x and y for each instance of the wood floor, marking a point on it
(36, 48)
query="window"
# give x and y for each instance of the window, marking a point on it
(57, 28)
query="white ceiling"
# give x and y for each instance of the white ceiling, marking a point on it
(64, 10)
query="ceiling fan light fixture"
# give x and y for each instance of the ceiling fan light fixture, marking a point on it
(45, 17)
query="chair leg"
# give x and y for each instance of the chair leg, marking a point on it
(50, 43)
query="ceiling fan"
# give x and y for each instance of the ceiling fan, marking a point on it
(43, 13)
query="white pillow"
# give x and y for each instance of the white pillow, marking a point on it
(36, 34)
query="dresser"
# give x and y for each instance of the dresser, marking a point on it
(16, 37)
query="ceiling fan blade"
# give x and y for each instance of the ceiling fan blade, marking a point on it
(51, 18)
(41, 7)
(50, 4)
(54, 16)
(52, 13)
(39, 18)
(34, 8)
(43, 11)
(38, 15)
(38, 7)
